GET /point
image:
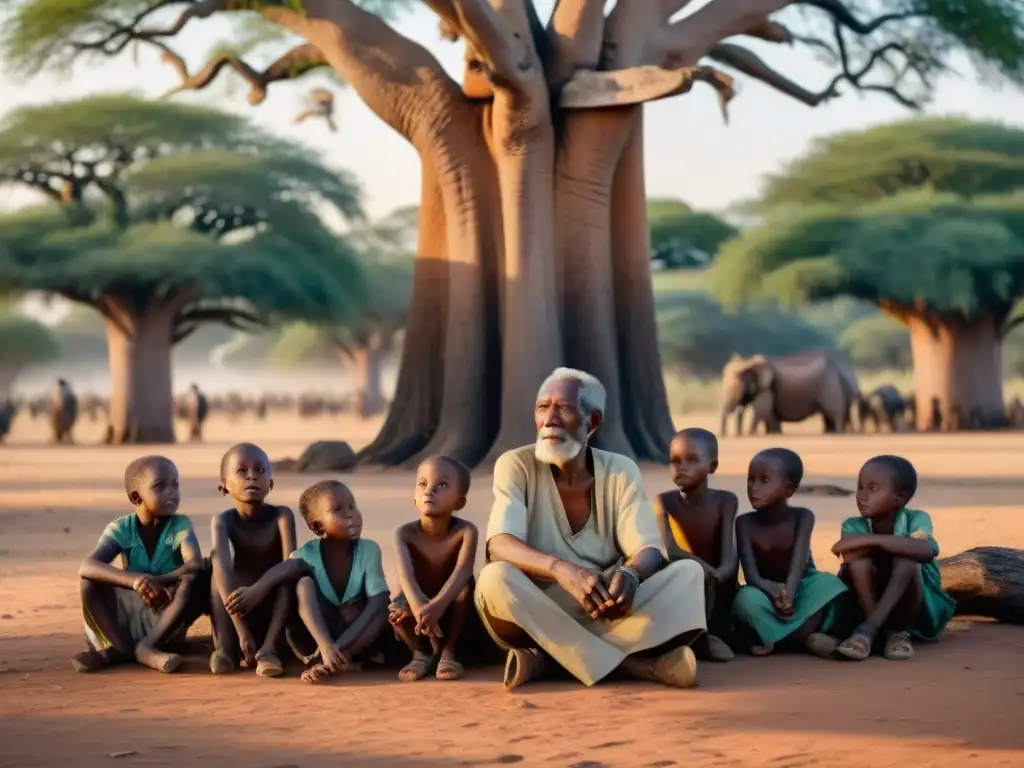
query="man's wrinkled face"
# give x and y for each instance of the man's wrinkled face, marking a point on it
(562, 431)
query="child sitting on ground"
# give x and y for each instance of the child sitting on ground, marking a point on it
(786, 600)
(248, 541)
(342, 594)
(435, 557)
(888, 558)
(697, 523)
(136, 611)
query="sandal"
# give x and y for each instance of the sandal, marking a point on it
(821, 645)
(221, 663)
(315, 674)
(764, 649)
(416, 669)
(268, 665)
(857, 646)
(449, 669)
(898, 647)
(676, 668)
(523, 665)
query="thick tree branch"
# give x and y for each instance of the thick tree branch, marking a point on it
(505, 50)
(189, 319)
(292, 65)
(750, 64)
(576, 32)
(623, 87)
(693, 37)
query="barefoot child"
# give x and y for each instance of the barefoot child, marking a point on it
(248, 541)
(696, 523)
(134, 612)
(435, 557)
(342, 594)
(888, 558)
(786, 599)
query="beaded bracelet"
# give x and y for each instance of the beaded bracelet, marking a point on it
(633, 576)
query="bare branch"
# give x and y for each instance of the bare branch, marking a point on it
(843, 15)
(506, 52)
(187, 320)
(693, 37)
(749, 63)
(770, 31)
(636, 85)
(294, 64)
(322, 108)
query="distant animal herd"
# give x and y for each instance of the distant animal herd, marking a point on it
(63, 408)
(775, 390)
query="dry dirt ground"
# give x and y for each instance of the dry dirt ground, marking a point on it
(958, 702)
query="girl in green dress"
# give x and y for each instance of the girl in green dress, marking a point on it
(888, 555)
(786, 601)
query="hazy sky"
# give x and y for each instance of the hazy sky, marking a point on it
(690, 153)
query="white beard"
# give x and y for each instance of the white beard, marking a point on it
(561, 453)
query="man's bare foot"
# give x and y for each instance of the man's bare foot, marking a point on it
(94, 660)
(448, 667)
(158, 660)
(677, 668)
(315, 674)
(416, 669)
(711, 648)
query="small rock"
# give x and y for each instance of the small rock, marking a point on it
(321, 456)
(126, 753)
(67, 530)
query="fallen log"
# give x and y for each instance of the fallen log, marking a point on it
(986, 581)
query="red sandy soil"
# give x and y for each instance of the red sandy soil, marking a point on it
(958, 702)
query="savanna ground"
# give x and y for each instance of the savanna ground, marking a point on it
(957, 703)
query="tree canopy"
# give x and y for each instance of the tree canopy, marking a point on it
(910, 240)
(681, 236)
(229, 231)
(23, 342)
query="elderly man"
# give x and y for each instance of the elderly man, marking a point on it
(577, 565)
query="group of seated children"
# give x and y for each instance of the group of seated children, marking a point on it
(329, 602)
(888, 590)
(256, 576)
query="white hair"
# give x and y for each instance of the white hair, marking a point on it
(593, 396)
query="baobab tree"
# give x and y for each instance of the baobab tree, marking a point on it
(533, 248)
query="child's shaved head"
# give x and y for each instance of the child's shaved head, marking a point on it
(307, 501)
(706, 440)
(135, 471)
(462, 474)
(243, 449)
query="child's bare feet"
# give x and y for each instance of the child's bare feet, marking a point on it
(762, 650)
(416, 669)
(150, 657)
(448, 667)
(315, 674)
(94, 660)
(268, 664)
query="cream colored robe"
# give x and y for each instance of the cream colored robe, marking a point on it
(527, 506)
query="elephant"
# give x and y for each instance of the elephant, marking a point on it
(886, 407)
(790, 389)
(63, 412)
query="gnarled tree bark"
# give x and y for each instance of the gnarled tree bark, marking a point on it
(533, 247)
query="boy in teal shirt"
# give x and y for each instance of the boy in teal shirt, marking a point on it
(889, 562)
(342, 595)
(134, 611)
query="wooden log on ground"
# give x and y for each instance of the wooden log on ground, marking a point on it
(986, 581)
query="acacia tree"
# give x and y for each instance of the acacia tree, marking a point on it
(910, 217)
(533, 167)
(23, 342)
(225, 234)
(677, 231)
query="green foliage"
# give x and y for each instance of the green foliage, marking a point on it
(886, 236)
(301, 345)
(990, 31)
(24, 342)
(953, 155)
(698, 337)
(681, 236)
(233, 225)
(877, 343)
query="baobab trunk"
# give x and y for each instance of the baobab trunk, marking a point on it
(367, 362)
(139, 350)
(958, 372)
